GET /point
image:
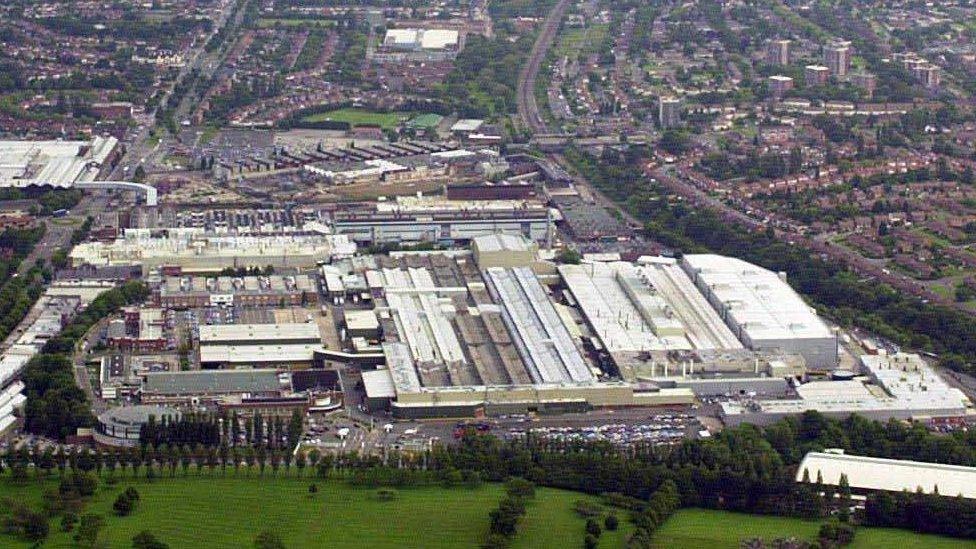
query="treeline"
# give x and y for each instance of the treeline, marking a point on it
(930, 514)
(210, 430)
(56, 406)
(835, 290)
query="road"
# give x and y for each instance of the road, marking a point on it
(528, 109)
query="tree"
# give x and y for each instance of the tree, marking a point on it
(268, 540)
(123, 506)
(89, 528)
(611, 523)
(146, 540)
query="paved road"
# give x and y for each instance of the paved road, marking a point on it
(528, 110)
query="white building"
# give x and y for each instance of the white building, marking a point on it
(762, 310)
(892, 475)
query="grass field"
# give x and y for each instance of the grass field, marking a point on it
(229, 512)
(694, 528)
(360, 117)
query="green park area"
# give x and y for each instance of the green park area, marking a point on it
(694, 528)
(215, 510)
(359, 117)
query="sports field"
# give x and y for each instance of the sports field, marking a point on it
(360, 117)
(694, 528)
(229, 512)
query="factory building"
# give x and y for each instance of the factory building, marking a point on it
(206, 386)
(194, 250)
(418, 45)
(431, 220)
(181, 292)
(891, 475)
(284, 346)
(53, 163)
(762, 310)
(121, 427)
(542, 339)
(900, 386)
(503, 250)
(459, 341)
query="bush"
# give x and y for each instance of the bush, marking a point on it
(125, 504)
(611, 523)
(24, 522)
(589, 542)
(587, 509)
(68, 521)
(519, 487)
(593, 528)
(268, 540)
(145, 540)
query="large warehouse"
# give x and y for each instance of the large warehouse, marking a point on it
(892, 475)
(645, 310)
(762, 310)
(194, 250)
(286, 346)
(900, 386)
(53, 163)
(457, 340)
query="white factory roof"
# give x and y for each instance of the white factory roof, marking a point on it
(654, 306)
(251, 354)
(402, 37)
(757, 301)
(467, 125)
(54, 163)
(361, 320)
(10, 365)
(902, 383)
(419, 312)
(401, 366)
(894, 475)
(501, 242)
(244, 333)
(543, 340)
(428, 39)
(136, 245)
(438, 39)
(379, 384)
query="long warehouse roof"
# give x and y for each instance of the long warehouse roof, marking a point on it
(549, 349)
(893, 475)
(759, 301)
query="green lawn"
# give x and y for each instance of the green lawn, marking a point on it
(360, 117)
(694, 528)
(230, 511)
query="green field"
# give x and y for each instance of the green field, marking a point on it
(230, 511)
(694, 528)
(360, 117)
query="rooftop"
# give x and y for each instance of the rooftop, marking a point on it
(212, 382)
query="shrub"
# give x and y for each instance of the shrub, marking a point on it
(519, 487)
(593, 528)
(146, 540)
(611, 523)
